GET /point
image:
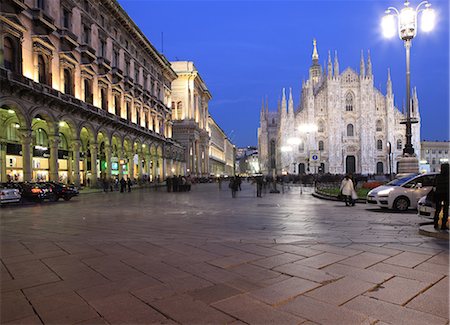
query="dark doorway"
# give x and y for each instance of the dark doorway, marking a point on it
(301, 168)
(350, 165)
(380, 168)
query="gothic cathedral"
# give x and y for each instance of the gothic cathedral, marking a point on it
(343, 124)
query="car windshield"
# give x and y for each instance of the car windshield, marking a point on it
(400, 181)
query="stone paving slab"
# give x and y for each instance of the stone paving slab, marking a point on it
(203, 257)
(391, 313)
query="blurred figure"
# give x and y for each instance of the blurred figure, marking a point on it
(441, 197)
(348, 191)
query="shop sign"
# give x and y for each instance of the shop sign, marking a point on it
(14, 149)
(63, 154)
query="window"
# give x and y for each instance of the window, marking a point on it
(433, 161)
(86, 34)
(145, 81)
(104, 98)
(321, 145)
(349, 102)
(301, 147)
(42, 70)
(179, 115)
(88, 97)
(41, 138)
(136, 74)
(379, 126)
(66, 18)
(102, 49)
(379, 145)
(62, 145)
(146, 120)
(115, 58)
(350, 132)
(40, 4)
(10, 55)
(12, 133)
(127, 67)
(400, 144)
(117, 105)
(138, 116)
(321, 127)
(68, 82)
(128, 111)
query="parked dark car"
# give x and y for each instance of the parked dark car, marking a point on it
(63, 191)
(47, 190)
(30, 191)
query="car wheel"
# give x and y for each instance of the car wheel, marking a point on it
(401, 203)
(67, 198)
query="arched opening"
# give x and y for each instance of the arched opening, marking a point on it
(399, 144)
(350, 132)
(321, 145)
(380, 168)
(349, 102)
(379, 126)
(379, 144)
(301, 169)
(350, 164)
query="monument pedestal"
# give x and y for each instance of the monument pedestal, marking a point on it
(408, 165)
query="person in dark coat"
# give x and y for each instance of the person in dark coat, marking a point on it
(123, 185)
(441, 196)
(259, 185)
(129, 184)
(169, 182)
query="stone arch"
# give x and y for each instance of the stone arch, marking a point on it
(50, 119)
(18, 108)
(349, 101)
(89, 128)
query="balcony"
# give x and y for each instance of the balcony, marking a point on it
(138, 90)
(69, 41)
(43, 24)
(104, 65)
(13, 6)
(87, 54)
(117, 75)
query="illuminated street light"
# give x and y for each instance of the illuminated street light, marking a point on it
(407, 29)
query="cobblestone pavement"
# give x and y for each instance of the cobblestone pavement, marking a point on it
(202, 257)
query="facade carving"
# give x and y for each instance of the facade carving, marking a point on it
(83, 95)
(355, 125)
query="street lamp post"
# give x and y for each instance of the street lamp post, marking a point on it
(407, 29)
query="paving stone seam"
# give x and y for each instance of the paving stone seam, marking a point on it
(7, 269)
(420, 292)
(155, 308)
(32, 307)
(50, 269)
(224, 312)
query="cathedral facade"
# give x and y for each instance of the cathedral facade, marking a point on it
(343, 124)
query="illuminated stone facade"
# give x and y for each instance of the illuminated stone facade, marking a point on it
(354, 125)
(221, 151)
(190, 98)
(84, 95)
(434, 153)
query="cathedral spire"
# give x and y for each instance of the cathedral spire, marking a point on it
(336, 65)
(267, 106)
(415, 103)
(362, 70)
(389, 84)
(369, 65)
(290, 104)
(262, 114)
(330, 67)
(283, 103)
(315, 55)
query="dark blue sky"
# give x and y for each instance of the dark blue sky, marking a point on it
(246, 50)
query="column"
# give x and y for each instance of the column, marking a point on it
(3, 162)
(94, 148)
(120, 157)
(76, 145)
(140, 169)
(148, 165)
(108, 162)
(130, 164)
(53, 160)
(26, 138)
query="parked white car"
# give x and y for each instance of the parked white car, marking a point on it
(403, 193)
(425, 207)
(9, 195)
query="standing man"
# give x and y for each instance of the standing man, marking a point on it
(441, 197)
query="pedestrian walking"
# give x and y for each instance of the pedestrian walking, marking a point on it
(169, 182)
(123, 184)
(259, 186)
(234, 186)
(348, 191)
(441, 197)
(219, 180)
(129, 184)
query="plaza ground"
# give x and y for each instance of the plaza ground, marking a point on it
(152, 257)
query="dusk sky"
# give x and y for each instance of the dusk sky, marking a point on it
(247, 50)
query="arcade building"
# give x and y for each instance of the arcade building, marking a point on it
(84, 95)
